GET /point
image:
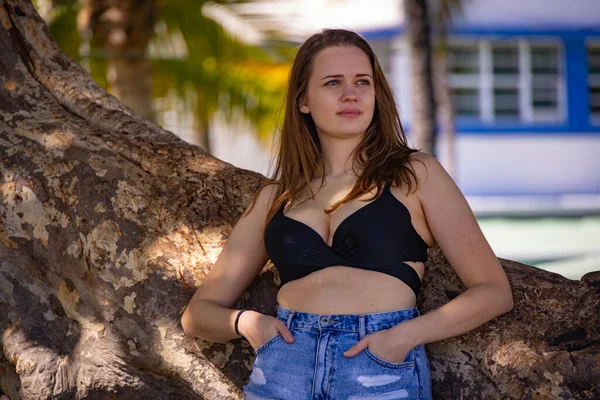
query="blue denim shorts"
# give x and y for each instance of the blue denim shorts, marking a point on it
(314, 367)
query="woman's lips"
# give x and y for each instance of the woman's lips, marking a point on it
(349, 113)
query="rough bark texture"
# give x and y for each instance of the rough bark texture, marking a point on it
(108, 223)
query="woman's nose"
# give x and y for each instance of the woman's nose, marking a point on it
(349, 93)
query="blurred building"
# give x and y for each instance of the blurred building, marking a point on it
(525, 85)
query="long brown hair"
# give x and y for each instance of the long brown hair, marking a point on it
(381, 157)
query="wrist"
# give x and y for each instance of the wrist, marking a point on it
(238, 315)
(244, 321)
(408, 332)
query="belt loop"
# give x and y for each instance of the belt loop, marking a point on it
(361, 326)
(289, 319)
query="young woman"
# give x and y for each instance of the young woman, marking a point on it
(347, 221)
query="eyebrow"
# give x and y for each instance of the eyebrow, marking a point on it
(342, 75)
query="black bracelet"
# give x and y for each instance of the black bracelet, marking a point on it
(237, 319)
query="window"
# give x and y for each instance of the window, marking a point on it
(594, 80)
(464, 77)
(512, 80)
(544, 80)
(506, 102)
(464, 60)
(466, 101)
(505, 66)
(505, 59)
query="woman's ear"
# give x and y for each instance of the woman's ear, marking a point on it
(304, 106)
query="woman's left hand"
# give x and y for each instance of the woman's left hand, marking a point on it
(385, 344)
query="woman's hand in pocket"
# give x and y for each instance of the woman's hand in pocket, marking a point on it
(385, 344)
(258, 328)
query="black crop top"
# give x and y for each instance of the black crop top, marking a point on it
(378, 237)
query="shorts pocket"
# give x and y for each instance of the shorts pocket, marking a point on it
(268, 343)
(408, 363)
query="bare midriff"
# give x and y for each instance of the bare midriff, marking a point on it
(346, 290)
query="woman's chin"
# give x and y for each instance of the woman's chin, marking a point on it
(346, 131)
(352, 132)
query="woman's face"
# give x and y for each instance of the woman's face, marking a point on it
(340, 96)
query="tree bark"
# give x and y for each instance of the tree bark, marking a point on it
(109, 223)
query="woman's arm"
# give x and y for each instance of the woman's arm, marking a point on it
(456, 231)
(209, 315)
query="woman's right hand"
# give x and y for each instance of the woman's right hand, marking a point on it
(258, 328)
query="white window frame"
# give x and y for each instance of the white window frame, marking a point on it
(485, 80)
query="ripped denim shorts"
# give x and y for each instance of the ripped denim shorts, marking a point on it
(314, 367)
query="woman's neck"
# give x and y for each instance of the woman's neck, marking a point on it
(338, 157)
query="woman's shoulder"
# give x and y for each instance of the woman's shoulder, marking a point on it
(426, 167)
(434, 182)
(268, 189)
(266, 195)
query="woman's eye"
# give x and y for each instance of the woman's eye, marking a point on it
(336, 82)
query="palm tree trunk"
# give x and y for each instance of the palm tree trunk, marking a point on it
(123, 30)
(130, 81)
(445, 111)
(202, 123)
(422, 127)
